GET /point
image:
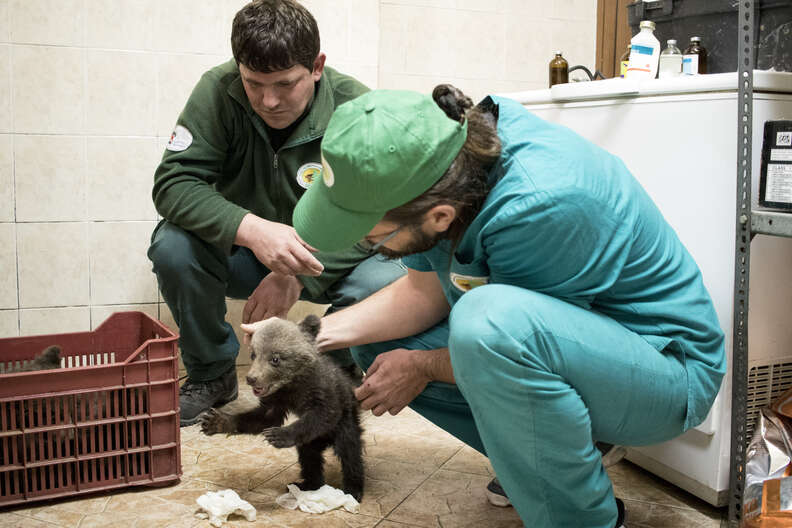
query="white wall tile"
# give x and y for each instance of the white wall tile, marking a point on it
(186, 26)
(47, 90)
(5, 26)
(6, 178)
(100, 313)
(529, 50)
(333, 21)
(8, 263)
(120, 24)
(368, 75)
(53, 264)
(121, 93)
(54, 320)
(574, 10)
(393, 32)
(58, 22)
(577, 38)
(5, 89)
(447, 4)
(418, 83)
(119, 176)
(363, 34)
(491, 6)
(177, 75)
(529, 9)
(480, 54)
(50, 178)
(120, 270)
(428, 49)
(9, 323)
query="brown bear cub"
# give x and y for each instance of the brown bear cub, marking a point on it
(289, 375)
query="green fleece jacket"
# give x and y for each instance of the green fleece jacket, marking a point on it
(220, 165)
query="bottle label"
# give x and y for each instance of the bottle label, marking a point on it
(690, 64)
(642, 50)
(623, 69)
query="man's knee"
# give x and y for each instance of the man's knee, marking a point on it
(370, 276)
(482, 325)
(172, 251)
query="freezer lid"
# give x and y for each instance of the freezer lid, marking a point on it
(764, 81)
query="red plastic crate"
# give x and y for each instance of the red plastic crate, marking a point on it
(109, 418)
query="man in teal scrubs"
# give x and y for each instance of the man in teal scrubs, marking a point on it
(548, 304)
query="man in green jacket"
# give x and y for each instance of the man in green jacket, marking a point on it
(244, 149)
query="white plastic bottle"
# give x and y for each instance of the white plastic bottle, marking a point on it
(671, 61)
(644, 53)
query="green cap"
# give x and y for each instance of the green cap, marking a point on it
(380, 151)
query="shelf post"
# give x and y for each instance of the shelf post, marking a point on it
(742, 260)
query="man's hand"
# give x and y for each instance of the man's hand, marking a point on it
(273, 297)
(393, 381)
(277, 246)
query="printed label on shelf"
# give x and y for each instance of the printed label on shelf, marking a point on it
(779, 183)
(784, 139)
(780, 155)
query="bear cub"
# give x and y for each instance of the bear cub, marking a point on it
(288, 374)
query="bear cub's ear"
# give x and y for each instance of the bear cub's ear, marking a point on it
(310, 326)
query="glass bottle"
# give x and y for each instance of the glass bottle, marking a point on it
(559, 70)
(694, 60)
(644, 53)
(624, 62)
(670, 61)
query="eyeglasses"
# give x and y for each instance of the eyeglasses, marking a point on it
(390, 235)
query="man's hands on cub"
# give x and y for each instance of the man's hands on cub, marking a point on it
(392, 381)
(273, 297)
(278, 246)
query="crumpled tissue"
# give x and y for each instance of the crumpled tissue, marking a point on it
(322, 500)
(219, 505)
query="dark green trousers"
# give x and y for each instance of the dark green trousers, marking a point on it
(195, 278)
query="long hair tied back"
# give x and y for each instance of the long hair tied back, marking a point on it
(465, 184)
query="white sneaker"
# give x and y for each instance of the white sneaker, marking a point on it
(611, 454)
(496, 496)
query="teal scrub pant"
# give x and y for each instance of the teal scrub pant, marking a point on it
(538, 380)
(195, 278)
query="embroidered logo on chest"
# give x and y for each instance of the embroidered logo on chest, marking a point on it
(307, 174)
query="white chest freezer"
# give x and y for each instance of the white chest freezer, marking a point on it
(679, 138)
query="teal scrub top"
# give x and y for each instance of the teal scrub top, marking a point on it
(565, 218)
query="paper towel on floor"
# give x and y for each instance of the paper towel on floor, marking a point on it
(322, 500)
(219, 505)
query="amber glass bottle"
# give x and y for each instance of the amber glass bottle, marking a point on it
(559, 70)
(694, 60)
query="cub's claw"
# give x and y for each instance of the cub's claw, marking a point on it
(279, 437)
(214, 422)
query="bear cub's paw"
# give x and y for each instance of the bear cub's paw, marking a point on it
(279, 437)
(215, 422)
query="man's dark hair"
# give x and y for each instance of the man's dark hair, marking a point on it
(274, 35)
(465, 184)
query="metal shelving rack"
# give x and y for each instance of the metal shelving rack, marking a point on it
(749, 223)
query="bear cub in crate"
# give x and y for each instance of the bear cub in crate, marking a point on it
(288, 374)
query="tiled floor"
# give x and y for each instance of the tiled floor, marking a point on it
(417, 476)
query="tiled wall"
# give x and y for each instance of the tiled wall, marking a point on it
(90, 90)
(482, 46)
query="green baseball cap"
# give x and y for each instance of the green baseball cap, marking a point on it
(380, 151)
